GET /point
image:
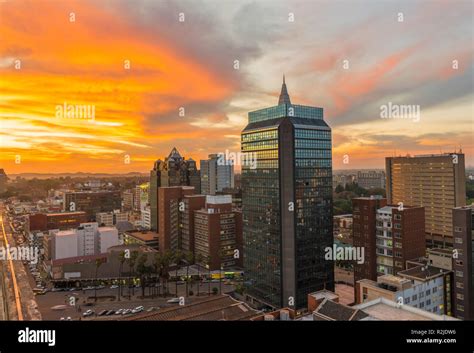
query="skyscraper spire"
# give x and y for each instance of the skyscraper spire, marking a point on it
(284, 97)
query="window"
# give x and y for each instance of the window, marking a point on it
(422, 294)
(397, 226)
(458, 240)
(398, 245)
(435, 289)
(458, 229)
(428, 292)
(422, 304)
(414, 297)
(398, 217)
(460, 285)
(460, 307)
(459, 274)
(407, 300)
(460, 296)
(428, 302)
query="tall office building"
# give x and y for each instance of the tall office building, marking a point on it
(436, 182)
(364, 218)
(287, 203)
(217, 173)
(463, 265)
(173, 171)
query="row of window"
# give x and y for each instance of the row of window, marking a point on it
(263, 135)
(312, 153)
(326, 144)
(313, 134)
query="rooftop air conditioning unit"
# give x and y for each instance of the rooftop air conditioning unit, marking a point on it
(268, 317)
(284, 315)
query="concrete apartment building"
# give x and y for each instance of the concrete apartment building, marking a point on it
(87, 239)
(371, 179)
(435, 182)
(109, 219)
(364, 215)
(218, 233)
(463, 265)
(400, 236)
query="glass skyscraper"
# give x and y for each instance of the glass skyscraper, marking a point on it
(287, 203)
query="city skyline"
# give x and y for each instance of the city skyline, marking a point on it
(137, 110)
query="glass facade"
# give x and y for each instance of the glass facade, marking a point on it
(261, 216)
(307, 147)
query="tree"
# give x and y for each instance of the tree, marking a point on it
(188, 257)
(166, 261)
(143, 271)
(178, 257)
(157, 265)
(98, 263)
(131, 264)
(339, 188)
(208, 265)
(122, 260)
(199, 260)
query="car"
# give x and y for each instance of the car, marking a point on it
(103, 312)
(88, 313)
(138, 309)
(68, 318)
(114, 286)
(119, 311)
(110, 312)
(127, 311)
(173, 301)
(152, 308)
(56, 289)
(88, 288)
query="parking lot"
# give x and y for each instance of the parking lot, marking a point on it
(57, 305)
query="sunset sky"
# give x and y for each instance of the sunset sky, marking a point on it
(190, 64)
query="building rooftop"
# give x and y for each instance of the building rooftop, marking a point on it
(423, 273)
(329, 310)
(143, 235)
(387, 310)
(216, 308)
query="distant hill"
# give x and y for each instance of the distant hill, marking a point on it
(76, 175)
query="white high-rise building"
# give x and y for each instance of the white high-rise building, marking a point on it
(217, 173)
(87, 239)
(146, 217)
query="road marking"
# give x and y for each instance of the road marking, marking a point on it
(12, 270)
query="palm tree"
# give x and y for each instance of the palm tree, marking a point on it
(166, 261)
(131, 264)
(143, 270)
(199, 260)
(178, 257)
(157, 264)
(122, 260)
(208, 265)
(188, 257)
(98, 263)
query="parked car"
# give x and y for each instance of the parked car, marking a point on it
(173, 301)
(119, 311)
(110, 312)
(88, 313)
(138, 309)
(126, 311)
(114, 286)
(103, 312)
